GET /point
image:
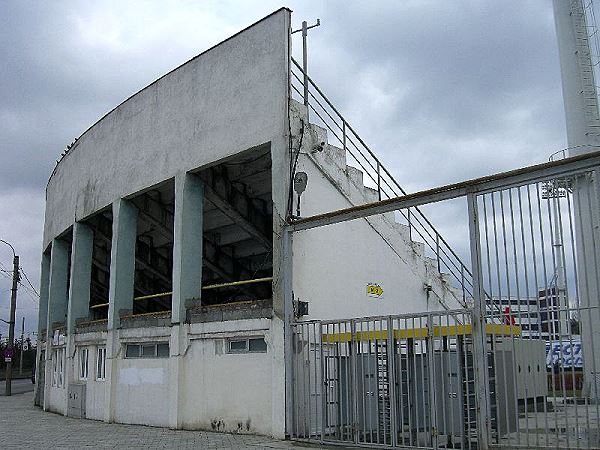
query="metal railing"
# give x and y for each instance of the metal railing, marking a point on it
(379, 177)
(207, 287)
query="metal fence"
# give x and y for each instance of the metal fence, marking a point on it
(478, 377)
(538, 245)
(373, 381)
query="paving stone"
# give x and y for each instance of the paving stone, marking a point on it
(23, 426)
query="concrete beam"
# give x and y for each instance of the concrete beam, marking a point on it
(238, 207)
(213, 257)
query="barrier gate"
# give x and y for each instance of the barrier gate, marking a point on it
(403, 380)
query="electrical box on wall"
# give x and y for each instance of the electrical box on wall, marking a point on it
(302, 309)
(76, 401)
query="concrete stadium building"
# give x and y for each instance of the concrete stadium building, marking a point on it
(168, 277)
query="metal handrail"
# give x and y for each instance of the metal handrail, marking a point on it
(432, 238)
(210, 286)
(237, 283)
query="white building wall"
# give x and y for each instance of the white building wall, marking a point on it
(229, 392)
(142, 391)
(333, 265)
(226, 100)
(57, 398)
(231, 98)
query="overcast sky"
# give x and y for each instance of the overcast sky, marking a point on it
(442, 91)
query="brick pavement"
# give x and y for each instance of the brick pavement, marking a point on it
(23, 426)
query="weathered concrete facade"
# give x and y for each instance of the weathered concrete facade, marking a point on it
(184, 190)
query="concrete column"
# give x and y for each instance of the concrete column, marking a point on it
(79, 290)
(44, 290)
(57, 286)
(122, 260)
(187, 276)
(81, 274)
(57, 302)
(187, 242)
(42, 322)
(120, 291)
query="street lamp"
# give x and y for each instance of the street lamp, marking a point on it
(11, 323)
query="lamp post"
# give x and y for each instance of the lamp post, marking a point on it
(8, 354)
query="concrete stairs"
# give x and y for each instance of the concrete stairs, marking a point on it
(348, 180)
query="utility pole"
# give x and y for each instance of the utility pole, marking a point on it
(11, 326)
(22, 341)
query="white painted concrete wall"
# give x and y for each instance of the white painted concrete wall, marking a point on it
(229, 392)
(226, 100)
(332, 265)
(95, 389)
(57, 398)
(235, 389)
(142, 391)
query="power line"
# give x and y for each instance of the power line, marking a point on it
(27, 289)
(27, 278)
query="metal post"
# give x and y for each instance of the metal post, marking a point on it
(479, 338)
(22, 336)
(11, 329)
(379, 180)
(391, 355)
(437, 251)
(305, 81)
(305, 64)
(409, 225)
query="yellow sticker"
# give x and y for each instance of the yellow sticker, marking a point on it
(374, 290)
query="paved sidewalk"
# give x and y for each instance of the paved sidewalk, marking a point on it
(23, 426)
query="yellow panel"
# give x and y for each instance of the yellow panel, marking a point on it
(420, 333)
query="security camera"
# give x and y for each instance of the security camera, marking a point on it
(318, 148)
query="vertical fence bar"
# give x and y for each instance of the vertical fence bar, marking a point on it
(379, 180)
(344, 135)
(354, 392)
(437, 251)
(409, 224)
(391, 355)
(431, 374)
(322, 383)
(478, 326)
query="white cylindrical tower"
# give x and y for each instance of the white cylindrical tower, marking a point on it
(583, 135)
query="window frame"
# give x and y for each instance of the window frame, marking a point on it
(140, 350)
(101, 364)
(84, 364)
(247, 345)
(58, 367)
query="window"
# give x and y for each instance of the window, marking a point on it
(257, 345)
(83, 363)
(101, 364)
(147, 350)
(58, 365)
(247, 345)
